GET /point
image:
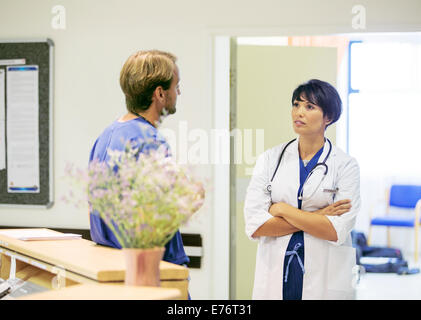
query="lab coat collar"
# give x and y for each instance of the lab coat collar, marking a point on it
(293, 149)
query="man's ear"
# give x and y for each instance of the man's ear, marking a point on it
(158, 93)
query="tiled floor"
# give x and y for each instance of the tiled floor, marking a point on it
(389, 286)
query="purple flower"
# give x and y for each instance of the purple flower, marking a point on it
(143, 198)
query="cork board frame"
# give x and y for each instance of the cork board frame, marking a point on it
(35, 52)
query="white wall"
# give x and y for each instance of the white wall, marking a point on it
(100, 35)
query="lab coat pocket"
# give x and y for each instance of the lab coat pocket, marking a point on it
(319, 198)
(328, 192)
(341, 262)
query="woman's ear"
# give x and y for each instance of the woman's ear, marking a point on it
(327, 121)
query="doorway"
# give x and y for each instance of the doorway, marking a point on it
(263, 73)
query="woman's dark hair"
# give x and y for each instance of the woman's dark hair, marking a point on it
(321, 94)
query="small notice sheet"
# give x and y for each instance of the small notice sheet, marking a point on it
(38, 234)
(22, 129)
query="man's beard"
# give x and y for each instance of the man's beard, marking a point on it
(166, 111)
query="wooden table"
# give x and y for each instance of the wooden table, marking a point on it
(61, 263)
(106, 292)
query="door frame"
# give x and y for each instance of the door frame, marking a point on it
(221, 262)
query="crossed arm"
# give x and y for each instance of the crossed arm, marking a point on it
(288, 219)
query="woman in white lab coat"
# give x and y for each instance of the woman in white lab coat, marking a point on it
(301, 205)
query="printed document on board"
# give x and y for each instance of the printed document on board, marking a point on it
(22, 129)
(2, 120)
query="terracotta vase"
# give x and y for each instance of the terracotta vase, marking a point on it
(142, 266)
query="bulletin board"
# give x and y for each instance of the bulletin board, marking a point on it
(26, 102)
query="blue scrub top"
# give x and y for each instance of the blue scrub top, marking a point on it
(137, 131)
(293, 288)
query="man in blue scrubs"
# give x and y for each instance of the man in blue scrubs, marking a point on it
(150, 82)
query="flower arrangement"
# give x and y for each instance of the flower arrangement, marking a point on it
(143, 197)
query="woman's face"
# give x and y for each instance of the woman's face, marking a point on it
(307, 118)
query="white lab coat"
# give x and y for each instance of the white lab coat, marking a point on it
(329, 266)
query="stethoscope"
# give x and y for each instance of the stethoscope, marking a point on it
(319, 164)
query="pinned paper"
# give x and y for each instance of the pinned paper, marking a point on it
(2, 121)
(22, 125)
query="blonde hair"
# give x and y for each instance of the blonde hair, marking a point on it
(142, 73)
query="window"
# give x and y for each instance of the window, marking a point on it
(385, 109)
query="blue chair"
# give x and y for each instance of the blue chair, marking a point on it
(401, 196)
